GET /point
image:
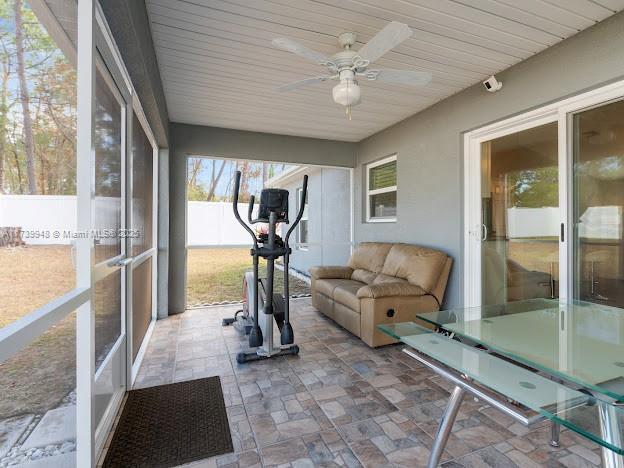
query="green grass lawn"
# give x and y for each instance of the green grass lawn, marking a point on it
(38, 377)
(215, 275)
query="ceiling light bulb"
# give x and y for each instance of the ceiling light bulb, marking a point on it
(347, 93)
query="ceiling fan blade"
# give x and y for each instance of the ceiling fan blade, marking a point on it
(300, 84)
(408, 77)
(292, 46)
(388, 38)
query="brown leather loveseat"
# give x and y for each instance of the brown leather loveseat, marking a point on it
(383, 283)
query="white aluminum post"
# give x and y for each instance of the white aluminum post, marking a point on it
(85, 183)
(127, 224)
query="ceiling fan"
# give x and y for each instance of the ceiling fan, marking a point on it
(348, 64)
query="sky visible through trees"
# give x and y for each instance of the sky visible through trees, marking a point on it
(213, 179)
(37, 107)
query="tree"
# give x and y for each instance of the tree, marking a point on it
(534, 188)
(266, 172)
(194, 169)
(29, 144)
(6, 63)
(214, 181)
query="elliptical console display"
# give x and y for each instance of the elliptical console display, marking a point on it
(259, 291)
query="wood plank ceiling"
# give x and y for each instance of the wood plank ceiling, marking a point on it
(219, 68)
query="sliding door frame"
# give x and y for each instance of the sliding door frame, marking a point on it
(151, 253)
(560, 112)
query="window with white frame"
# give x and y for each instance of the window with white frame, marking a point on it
(302, 229)
(381, 190)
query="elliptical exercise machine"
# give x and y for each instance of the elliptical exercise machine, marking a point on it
(258, 291)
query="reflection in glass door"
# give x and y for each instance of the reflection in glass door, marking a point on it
(598, 158)
(520, 216)
(110, 248)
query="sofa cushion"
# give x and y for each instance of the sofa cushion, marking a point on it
(327, 286)
(418, 265)
(348, 318)
(321, 272)
(346, 294)
(383, 279)
(364, 276)
(395, 289)
(369, 256)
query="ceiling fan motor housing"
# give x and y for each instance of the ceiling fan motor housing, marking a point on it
(344, 59)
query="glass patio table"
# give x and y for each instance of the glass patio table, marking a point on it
(535, 359)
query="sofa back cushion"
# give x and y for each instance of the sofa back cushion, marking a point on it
(370, 256)
(418, 265)
(365, 276)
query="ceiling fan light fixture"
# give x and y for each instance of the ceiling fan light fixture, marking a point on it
(347, 92)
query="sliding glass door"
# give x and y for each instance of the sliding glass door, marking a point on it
(598, 208)
(544, 203)
(520, 216)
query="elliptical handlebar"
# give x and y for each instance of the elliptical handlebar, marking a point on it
(304, 197)
(235, 207)
(252, 201)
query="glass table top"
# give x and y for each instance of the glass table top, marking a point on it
(578, 342)
(595, 419)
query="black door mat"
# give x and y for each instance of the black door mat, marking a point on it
(169, 425)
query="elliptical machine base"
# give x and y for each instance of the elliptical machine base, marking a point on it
(243, 323)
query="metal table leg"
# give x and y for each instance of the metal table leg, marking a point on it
(446, 424)
(555, 429)
(611, 431)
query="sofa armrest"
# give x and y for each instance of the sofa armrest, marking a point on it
(389, 290)
(333, 272)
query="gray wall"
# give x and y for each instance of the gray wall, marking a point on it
(429, 144)
(329, 216)
(231, 144)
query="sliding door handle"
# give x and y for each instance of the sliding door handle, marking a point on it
(484, 232)
(121, 262)
(562, 235)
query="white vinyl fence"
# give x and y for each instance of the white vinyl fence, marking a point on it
(597, 222)
(41, 216)
(533, 222)
(214, 224)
